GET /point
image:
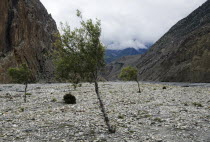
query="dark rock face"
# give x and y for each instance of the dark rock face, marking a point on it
(26, 36)
(182, 54)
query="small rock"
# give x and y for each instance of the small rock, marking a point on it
(63, 140)
(15, 125)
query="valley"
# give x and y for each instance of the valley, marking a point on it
(162, 112)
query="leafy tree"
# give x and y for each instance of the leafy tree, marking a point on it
(80, 56)
(22, 75)
(130, 74)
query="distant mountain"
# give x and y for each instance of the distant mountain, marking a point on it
(111, 55)
(181, 55)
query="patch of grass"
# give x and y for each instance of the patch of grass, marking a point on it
(92, 132)
(131, 131)
(161, 104)
(28, 94)
(157, 119)
(120, 116)
(54, 100)
(22, 109)
(186, 104)
(197, 104)
(143, 114)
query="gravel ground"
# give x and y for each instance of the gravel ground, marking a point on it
(174, 114)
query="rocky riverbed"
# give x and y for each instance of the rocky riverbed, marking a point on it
(161, 113)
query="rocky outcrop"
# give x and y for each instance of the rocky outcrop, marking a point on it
(26, 36)
(182, 54)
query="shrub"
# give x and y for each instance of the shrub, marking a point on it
(130, 74)
(22, 75)
(164, 87)
(120, 116)
(54, 100)
(69, 99)
(197, 104)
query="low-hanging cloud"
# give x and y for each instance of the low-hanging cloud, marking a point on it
(125, 23)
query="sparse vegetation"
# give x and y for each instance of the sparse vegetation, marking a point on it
(185, 104)
(121, 116)
(22, 109)
(157, 119)
(22, 75)
(130, 74)
(54, 100)
(69, 99)
(28, 94)
(197, 104)
(80, 56)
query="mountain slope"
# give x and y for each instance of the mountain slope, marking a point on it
(182, 54)
(111, 55)
(26, 36)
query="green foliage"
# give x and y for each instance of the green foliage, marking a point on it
(54, 100)
(79, 54)
(128, 74)
(22, 109)
(21, 74)
(157, 119)
(28, 94)
(197, 104)
(121, 116)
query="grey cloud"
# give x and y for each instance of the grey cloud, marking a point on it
(125, 20)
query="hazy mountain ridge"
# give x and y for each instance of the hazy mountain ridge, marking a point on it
(112, 55)
(182, 54)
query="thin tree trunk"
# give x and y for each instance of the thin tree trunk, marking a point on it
(106, 119)
(138, 86)
(26, 85)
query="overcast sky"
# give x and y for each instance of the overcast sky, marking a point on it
(125, 23)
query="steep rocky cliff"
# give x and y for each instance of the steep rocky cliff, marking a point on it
(26, 36)
(181, 55)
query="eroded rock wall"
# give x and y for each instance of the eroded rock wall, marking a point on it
(26, 36)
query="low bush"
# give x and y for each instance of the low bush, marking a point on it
(164, 87)
(54, 100)
(69, 99)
